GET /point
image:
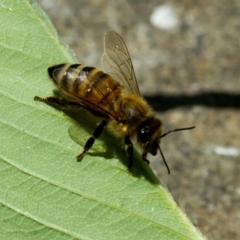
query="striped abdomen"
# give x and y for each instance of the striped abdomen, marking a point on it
(86, 85)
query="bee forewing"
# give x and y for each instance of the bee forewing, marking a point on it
(116, 61)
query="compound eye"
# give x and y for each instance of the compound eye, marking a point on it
(143, 135)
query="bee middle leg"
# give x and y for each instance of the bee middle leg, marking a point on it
(96, 133)
(129, 151)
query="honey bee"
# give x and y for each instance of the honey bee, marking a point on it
(113, 95)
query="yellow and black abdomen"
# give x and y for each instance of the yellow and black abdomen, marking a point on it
(88, 86)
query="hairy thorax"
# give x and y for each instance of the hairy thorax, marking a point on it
(133, 110)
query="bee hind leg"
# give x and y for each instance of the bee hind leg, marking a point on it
(129, 151)
(58, 103)
(96, 133)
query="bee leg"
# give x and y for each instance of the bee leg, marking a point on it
(129, 151)
(53, 101)
(58, 103)
(144, 157)
(96, 133)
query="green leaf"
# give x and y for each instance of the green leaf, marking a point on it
(45, 193)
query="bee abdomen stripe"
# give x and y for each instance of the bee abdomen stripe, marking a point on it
(99, 77)
(96, 81)
(74, 66)
(64, 81)
(53, 68)
(65, 77)
(88, 69)
(109, 93)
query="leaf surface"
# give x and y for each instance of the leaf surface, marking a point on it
(44, 192)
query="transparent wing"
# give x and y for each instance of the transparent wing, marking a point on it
(117, 62)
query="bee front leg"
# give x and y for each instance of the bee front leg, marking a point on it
(129, 151)
(96, 133)
(144, 157)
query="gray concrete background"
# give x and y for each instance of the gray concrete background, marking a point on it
(199, 55)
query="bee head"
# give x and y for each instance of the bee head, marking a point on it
(149, 134)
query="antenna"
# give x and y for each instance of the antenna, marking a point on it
(165, 134)
(164, 159)
(176, 130)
